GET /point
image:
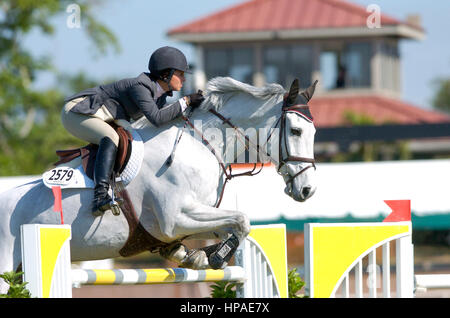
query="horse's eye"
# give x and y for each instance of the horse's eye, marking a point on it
(296, 131)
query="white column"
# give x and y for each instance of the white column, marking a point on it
(199, 73)
(308, 260)
(376, 66)
(359, 280)
(243, 258)
(258, 66)
(372, 270)
(405, 267)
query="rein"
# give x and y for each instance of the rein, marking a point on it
(282, 121)
(228, 174)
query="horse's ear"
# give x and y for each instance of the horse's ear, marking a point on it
(309, 92)
(293, 92)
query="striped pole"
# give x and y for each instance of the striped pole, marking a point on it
(155, 276)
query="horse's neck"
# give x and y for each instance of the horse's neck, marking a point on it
(247, 114)
(249, 117)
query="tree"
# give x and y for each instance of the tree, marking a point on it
(441, 100)
(30, 128)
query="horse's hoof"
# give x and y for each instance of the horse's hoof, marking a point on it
(174, 252)
(195, 259)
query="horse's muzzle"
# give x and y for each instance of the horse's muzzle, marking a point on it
(301, 196)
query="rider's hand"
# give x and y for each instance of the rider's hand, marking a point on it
(194, 100)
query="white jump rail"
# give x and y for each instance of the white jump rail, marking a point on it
(260, 270)
(431, 281)
(154, 276)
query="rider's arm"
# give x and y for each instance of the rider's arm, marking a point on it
(143, 99)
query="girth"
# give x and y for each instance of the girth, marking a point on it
(139, 240)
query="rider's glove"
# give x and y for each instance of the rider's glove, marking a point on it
(194, 100)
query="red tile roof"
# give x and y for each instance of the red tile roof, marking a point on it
(267, 15)
(330, 111)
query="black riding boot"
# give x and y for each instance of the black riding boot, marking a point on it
(104, 164)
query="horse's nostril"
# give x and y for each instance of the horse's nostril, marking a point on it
(306, 191)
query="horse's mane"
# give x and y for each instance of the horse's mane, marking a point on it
(220, 89)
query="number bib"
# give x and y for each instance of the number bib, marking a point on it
(67, 177)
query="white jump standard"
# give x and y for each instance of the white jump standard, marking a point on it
(261, 265)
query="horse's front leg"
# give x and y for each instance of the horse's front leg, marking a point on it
(201, 220)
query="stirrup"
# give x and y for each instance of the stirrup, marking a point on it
(111, 205)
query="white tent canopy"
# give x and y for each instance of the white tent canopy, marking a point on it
(356, 189)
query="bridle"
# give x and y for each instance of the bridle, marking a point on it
(300, 109)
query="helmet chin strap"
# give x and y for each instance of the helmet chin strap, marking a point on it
(168, 79)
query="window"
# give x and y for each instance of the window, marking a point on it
(357, 64)
(216, 63)
(275, 70)
(241, 66)
(234, 62)
(347, 67)
(282, 64)
(302, 64)
(329, 65)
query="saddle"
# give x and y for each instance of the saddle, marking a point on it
(139, 239)
(88, 153)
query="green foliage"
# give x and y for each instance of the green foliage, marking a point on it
(223, 290)
(227, 289)
(16, 286)
(441, 100)
(353, 118)
(374, 150)
(30, 125)
(295, 283)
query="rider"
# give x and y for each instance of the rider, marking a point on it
(87, 115)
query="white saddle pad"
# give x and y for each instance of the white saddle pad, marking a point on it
(68, 176)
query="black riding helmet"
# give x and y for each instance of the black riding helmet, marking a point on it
(165, 61)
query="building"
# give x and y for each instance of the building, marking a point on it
(262, 41)
(352, 51)
(358, 64)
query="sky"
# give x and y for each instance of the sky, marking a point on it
(141, 26)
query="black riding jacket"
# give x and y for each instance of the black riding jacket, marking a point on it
(128, 99)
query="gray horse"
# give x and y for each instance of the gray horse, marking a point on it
(177, 201)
